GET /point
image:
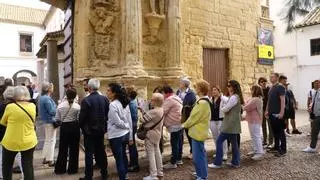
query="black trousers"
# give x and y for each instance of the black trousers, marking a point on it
(27, 163)
(315, 129)
(189, 140)
(69, 146)
(278, 126)
(94, 145)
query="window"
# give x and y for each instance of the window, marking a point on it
(315, 47)
(25, 43)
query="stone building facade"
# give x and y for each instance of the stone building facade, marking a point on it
(147, 43)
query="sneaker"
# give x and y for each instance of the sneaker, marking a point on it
(251, 153)
(213, 166)
(309, 150)
(180, 162)
(170, 166)
(150, 178)
(214, 155)
(288, 134)
(232, 165)
(296, 131)
(225, 157)
(257, 157)
(194, 174)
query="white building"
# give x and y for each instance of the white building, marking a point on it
(21, 31)
(297, 54)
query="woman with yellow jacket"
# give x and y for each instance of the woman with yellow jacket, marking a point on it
(20, 135)
(198, 126)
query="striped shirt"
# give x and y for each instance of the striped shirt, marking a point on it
(67, 114)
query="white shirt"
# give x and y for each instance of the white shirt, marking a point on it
(119, 120)
(66, 114)
(233, 100)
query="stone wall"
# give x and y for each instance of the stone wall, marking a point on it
(230, 24)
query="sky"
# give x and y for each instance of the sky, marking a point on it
(27, 3)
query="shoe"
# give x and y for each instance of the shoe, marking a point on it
(272, 150)
(45, 161)
(127, 177)
(213, 166)
(270, 146)
(288, 134)
(51, 164)
(280, 154)
(83, 178)
(257, 157)
(150, 178)
(180, 162)
(288, 131)
(190, 156)
(170, 166)
(309, 150)
(16, 170)
(214, 155)
(134, 169)
(232, 165)
(225, 157)
(296, 131)
(251, 153)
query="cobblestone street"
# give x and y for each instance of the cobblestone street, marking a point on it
(295, 165)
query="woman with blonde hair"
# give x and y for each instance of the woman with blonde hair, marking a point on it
(20, 135)
(198, 129)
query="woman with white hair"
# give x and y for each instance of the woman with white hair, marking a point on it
(47, 112)
(20, 135)
(153, 120)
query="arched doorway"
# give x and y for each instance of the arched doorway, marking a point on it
(23, 76)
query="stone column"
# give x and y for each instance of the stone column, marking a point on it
(132, 37)
(53, 71)
(173, 19)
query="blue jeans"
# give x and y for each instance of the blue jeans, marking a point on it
(235, 149)
(118, 147)
(176, 141)
(133, 152)
(199, 157)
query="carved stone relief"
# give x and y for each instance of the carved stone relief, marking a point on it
(102, 19)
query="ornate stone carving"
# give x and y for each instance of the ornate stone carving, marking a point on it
(102, 19)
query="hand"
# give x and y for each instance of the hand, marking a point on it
(281, 115)
(131, 142)
(266, 114)
(309, 109)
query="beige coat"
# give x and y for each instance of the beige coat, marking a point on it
(150, 118)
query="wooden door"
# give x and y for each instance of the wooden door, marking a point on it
(215, 67)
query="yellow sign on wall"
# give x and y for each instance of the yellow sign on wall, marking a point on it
(266, 52)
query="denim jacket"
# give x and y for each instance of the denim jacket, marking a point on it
(47, 108)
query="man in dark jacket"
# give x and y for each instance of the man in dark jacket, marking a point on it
(93, 123)
(188, 98)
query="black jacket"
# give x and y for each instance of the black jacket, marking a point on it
(188, 103)
(94, 114)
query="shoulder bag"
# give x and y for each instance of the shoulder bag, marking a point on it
(142, 131)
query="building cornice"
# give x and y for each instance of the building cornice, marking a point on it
(21, 23)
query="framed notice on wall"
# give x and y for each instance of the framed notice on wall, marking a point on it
(265, 47)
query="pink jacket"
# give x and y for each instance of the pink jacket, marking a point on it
(254, 110)
(172, 107)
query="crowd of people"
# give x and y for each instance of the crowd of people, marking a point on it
(121, 116)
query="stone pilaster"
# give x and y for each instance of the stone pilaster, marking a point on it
(173, 20)
(132, 38)
(53, 71)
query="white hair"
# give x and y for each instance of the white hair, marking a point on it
(9, 93)
(21, 93)
(158, 99)
(185, 81)
(94, 84)
(46, 87)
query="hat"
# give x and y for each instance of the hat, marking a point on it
(186, 81)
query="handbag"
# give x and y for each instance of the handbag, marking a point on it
(142, 131)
